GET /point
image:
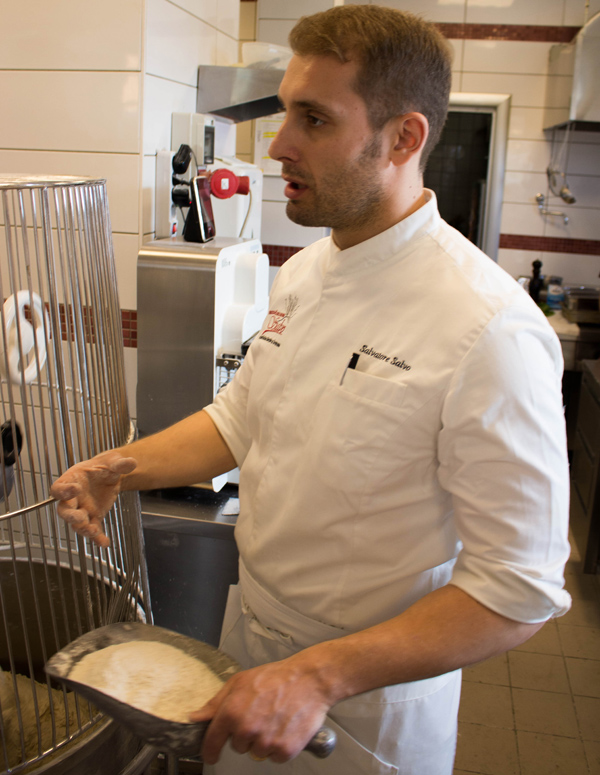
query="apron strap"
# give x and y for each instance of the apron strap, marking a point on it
(279, 620)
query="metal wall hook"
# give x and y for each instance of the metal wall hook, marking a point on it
(541, 199)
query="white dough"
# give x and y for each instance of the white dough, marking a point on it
(151, 676)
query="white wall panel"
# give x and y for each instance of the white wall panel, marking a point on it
(274, 31)
(521, 187)
(148, 186)
(522, 219)
(201, 9)
(518, 262)
(456, 82)
(228, 17)
(161, 99)
(527, 90)
(126, 248)
(433, 10)
(526, 123)
(70, 111)
(575, 12)
(549, 12)
(290, 9)
(527, 155)
(228, 52)
(277, 229)
(122, 173)
(583, 222)
(71, 35)
(573, 268)
(458, 47)
(273, 187)
(177, 43)
(506, 56)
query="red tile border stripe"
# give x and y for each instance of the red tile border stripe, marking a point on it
(129, 327)
(522, 32)
(550, 244)
(279, 254)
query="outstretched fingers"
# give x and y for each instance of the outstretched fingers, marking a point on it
(87, 491)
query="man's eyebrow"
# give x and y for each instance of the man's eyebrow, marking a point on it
(306, 105)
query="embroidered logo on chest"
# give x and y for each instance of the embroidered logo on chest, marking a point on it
(277, 321)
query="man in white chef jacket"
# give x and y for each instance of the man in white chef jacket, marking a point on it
(398, 426)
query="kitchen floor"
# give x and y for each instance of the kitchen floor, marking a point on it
(536, 709)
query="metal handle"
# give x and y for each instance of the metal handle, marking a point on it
(323, 743)
(27, 509)
(142, 760)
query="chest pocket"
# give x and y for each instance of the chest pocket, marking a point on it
(351, 425)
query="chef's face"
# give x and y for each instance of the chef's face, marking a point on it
(331, 157)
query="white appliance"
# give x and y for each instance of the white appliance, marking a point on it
(199, 305)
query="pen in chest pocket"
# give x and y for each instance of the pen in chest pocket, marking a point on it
(351, 365)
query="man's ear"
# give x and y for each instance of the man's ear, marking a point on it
(410, 133)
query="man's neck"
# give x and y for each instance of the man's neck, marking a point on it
(404, 207)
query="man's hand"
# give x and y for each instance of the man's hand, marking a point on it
(87, 491)
(270, 711)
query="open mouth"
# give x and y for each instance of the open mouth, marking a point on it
(293, 189)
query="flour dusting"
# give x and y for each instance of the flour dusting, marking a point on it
(151, 676)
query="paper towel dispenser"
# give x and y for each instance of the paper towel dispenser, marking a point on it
(572, 95)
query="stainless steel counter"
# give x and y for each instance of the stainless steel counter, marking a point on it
(192, 557)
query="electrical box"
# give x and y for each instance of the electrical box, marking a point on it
(212, 140)
(197, 131)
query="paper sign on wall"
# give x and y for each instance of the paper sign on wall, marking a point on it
(264, 131)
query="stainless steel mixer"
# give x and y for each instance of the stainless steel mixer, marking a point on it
(62, 400)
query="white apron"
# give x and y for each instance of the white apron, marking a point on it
(406, 729)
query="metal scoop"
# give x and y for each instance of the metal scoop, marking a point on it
(184, 739)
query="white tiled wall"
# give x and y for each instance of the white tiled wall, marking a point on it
(518, 68)
(88, 88)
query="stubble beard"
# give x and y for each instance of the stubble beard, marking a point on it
(347, 198)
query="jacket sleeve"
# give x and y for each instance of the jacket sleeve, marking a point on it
(503, 457)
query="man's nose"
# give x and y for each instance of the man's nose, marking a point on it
(281, 146)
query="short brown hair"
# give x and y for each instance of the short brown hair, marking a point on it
(404, 61)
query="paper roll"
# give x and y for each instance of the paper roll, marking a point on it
(22, 336)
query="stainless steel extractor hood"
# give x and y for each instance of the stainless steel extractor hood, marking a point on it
(572, 95)
(238, 93)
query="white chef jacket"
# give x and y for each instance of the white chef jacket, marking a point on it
(436, 455)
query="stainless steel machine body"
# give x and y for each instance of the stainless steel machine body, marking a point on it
(62, 400)
(192, 557)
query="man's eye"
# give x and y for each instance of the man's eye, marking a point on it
(314, 121)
